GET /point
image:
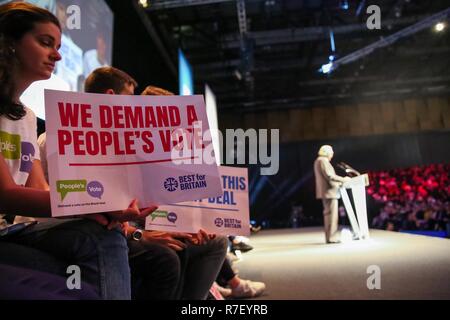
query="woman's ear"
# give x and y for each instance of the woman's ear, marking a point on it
(110, 91)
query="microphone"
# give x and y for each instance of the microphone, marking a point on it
(348, 170)
(341, 165)
(346, 165)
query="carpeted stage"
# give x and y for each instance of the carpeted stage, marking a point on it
(297, 264)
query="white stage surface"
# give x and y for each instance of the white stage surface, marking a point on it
(297, 264)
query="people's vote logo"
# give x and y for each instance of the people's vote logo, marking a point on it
(171, 184)
(95, 189)
(27, 156)
(172, 217)
(218, 222)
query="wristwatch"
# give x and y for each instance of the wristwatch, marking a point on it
(137, 235)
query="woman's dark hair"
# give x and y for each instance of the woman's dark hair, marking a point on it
(16, 19)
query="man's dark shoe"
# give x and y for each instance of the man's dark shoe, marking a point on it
(241, 246)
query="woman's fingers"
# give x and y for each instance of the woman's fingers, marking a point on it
(114, 224)
(99, 218)
(173, 243)
(175, 247)
(202, 236)
(133, 205)
(164, 238)
(132, 213)
(147, 211)
(181, 235)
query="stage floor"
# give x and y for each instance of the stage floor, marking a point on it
(297, 264)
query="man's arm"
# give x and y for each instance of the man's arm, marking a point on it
(328, 172)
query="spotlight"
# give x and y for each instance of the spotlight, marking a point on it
(326, 68)
(143, 3)
(331, 58)
(344, 5)
(439, 27)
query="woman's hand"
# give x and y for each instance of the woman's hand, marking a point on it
(201, 237)
(132, 213)
(119, 218)
(163, 238)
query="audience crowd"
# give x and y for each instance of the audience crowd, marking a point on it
(415, 198)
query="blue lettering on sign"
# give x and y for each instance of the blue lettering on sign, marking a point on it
(234, 183)
(192, 181)
(226, 198)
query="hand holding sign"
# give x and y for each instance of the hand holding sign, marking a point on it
(165, 239)
(132, 213)
(104, 150)
(201, 237)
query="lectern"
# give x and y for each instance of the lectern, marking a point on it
(359, 222)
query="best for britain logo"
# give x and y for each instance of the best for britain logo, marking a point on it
(171, 184)
(218, 222)
(187, 182)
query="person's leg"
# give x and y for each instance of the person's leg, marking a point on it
(239, 288)
(326, 203)
(27, 273)
(101, 254)
(155, 272)
(203, 263)
(334, 219)
(226, 273)
(14, 254)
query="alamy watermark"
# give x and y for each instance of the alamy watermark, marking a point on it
(374, 20)
(74, 279)
(374, 280)
(192, 146)
(73, 20)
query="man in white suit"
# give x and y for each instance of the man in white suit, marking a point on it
(327, 189)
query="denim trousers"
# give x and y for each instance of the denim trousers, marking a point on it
(200, 265)
(161, 273)
(27, 283)
(101, 254)
(155, 271)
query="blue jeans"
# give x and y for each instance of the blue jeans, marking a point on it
(101, 254)
(200, 266)
(155, 271)
(160, 273)
(19, 283)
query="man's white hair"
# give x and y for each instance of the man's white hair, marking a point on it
(325, 151)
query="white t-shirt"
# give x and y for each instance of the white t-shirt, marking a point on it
(19, 147)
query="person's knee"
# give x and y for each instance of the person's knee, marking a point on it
(171, 259)
(85, 239)
(100, 233)
(220, 244)
(165, 257)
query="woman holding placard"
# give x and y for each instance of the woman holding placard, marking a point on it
(29, 41)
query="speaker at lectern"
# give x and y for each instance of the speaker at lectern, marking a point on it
(357, 184)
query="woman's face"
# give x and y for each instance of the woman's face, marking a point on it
(37, 52)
